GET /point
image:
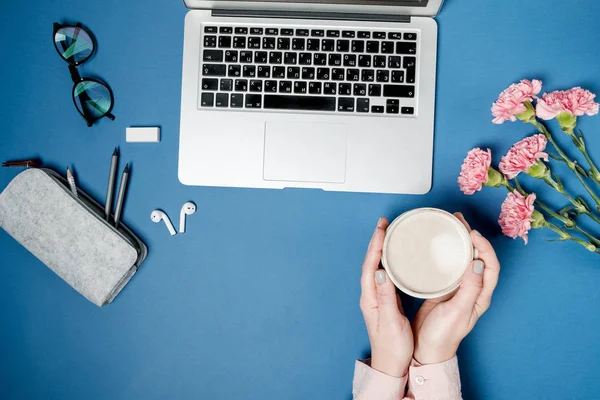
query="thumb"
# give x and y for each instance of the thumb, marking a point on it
(471, 286)
(387, 300)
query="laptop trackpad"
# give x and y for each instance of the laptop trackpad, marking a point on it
(305, 152)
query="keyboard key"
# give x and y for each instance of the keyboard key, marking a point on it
(301, 32)
(226, 85)
(358, 46)
(335, 60)
(249, 71)
(383, 75)
(293, 73)
(333, 33)
(410, 36)
(360, 89)
(239, 42)
(290, 58)
(268, 43)
(329, 88)
(409, 62)
(300, 87)
(305, 59)
(237, 100)
(394, 35)
(394, 62)
(245, 56)
(314, 87)
(253, 42)
(210, 41)
(255, 85)
(391, 107)
(372, 46)
(362, 105)
(207, 99)
(278, 72)
(224, 41)
(298, 44)
(287, 32)
(210, 29)
(377, 109)
(308, 73)
(345, 104)
(352, 74)
(367, 75)
(345, 89)
(272, 31)
(407, 110)
(271, 86)
(398, 91)
(222, 100)
(263, 71)
(410, 76)
(256, 31)
(320, 59)
(210, 84)
(379, 35)
(283, 43)
(231, 56)
(241, 31)
(406, 48)
(275, 57)
(260, 57)
(285, 87)
(314, 103)
(343, 45)
(323, 74)
(379, 61)
(375, 90)
(213, 69)
(387, 47)
(398, 76)
(253, 101)
(364, 60)
(313, 44)
(338, 74)
(241, 85)
(234, 70)
(349, 60)
(225, 29)
(363, 34)
(411, 69)
(212, 55)
(327, 45)
(348, 34)
(317, 32)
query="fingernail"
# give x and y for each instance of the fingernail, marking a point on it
(476, 232)
(380, 222)
(380, 276)
(478, 267)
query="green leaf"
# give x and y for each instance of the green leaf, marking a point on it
(581, 171)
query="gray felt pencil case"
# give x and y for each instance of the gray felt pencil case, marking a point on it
(70, 234)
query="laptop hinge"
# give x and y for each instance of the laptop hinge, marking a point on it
(310, 15)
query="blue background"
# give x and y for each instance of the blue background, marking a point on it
(259, 299)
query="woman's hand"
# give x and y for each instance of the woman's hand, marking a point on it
(389, 331)
(441, 324)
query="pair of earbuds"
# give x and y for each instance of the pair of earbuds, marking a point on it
(188, 209)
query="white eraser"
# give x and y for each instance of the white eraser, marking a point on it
(143, 135)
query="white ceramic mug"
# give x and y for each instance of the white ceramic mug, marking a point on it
(426, 252)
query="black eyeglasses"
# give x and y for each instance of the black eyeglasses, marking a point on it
(92, 98)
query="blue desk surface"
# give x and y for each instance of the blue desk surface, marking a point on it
(259, 299)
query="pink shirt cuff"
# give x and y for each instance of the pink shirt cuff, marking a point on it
(435, 381)
(370, 384)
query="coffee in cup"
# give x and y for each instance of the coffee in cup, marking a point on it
(426, 252)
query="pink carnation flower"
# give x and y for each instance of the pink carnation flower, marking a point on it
(523, 155)
(511, 101)
(575, 101)
(474, 170)
(515, 217)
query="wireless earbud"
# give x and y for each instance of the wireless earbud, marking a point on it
(188, 209)
(158, 215)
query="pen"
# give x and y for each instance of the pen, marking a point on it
(71, 181)
(112, 175)
(121, 195)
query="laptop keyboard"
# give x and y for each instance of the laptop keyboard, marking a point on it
(322, 70)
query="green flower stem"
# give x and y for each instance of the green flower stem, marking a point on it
(580, 144)
(579, 205)
(592, 239)
(567, 236)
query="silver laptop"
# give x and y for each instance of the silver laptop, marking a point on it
(337, 96)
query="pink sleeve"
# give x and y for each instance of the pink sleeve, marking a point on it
(425, 382)
(370, 384)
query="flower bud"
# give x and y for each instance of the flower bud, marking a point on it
(567, 122)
